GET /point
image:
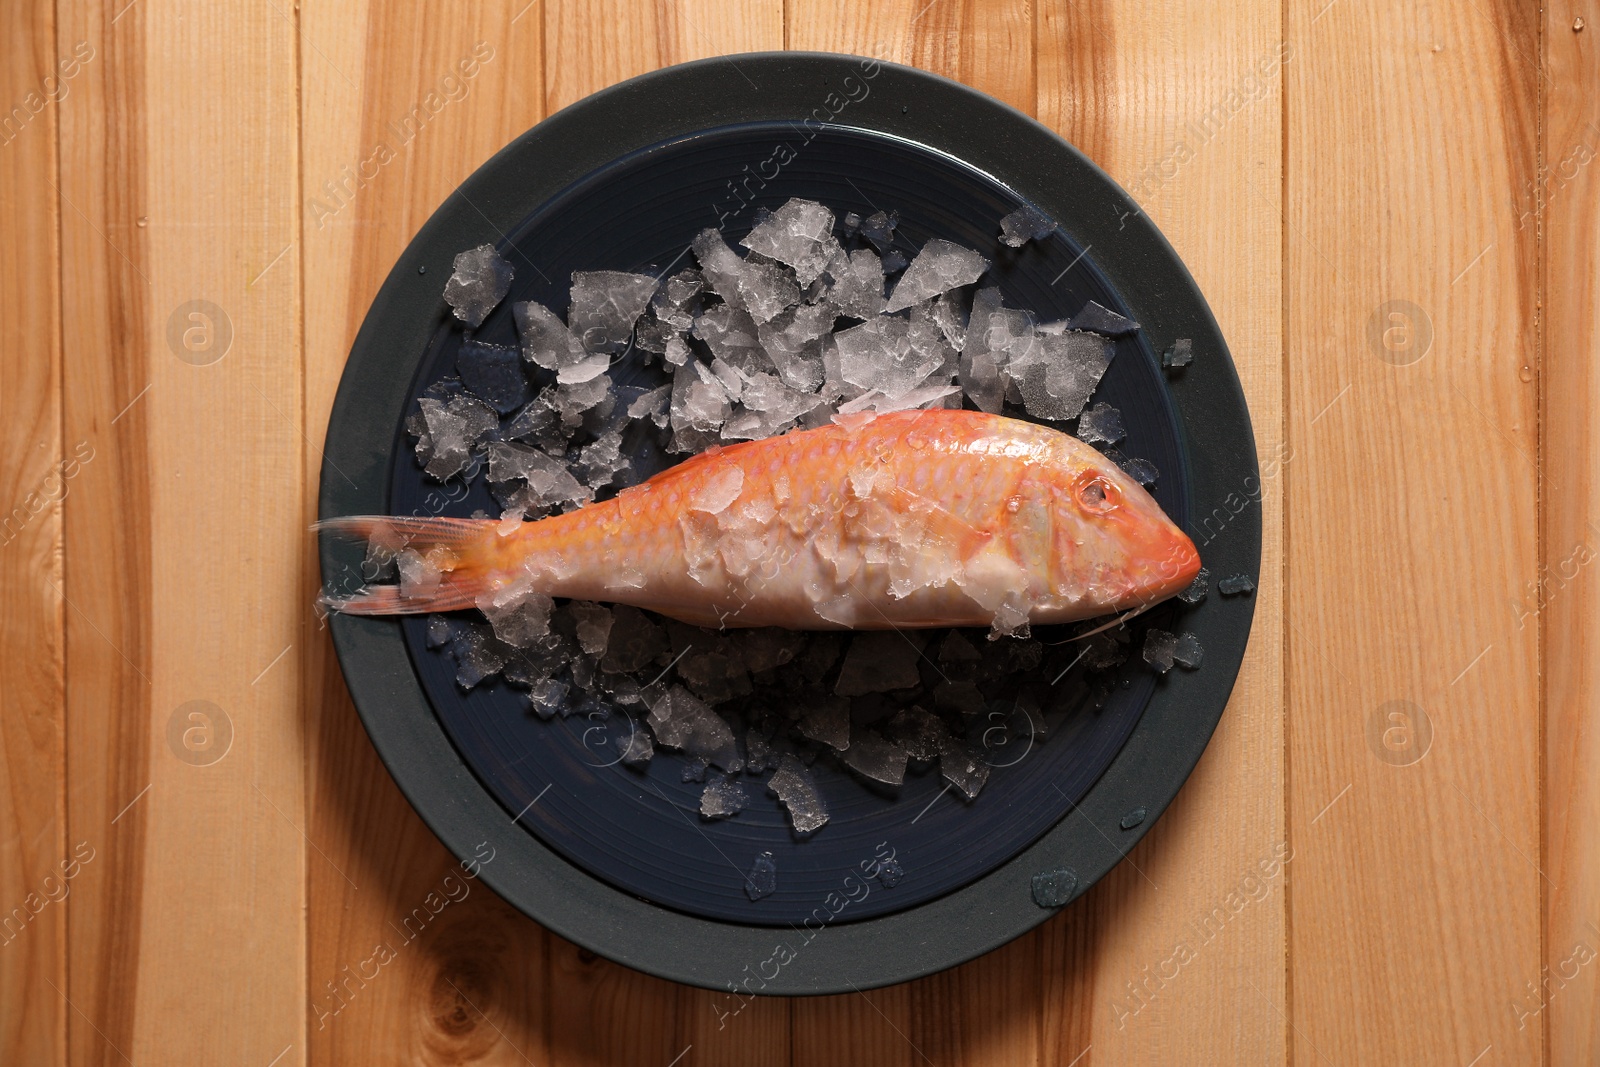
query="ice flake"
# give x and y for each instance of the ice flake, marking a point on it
(940, 266)
(1025, 224)
(480, 281)
(605, 305)
(800, 233)
(797, 791)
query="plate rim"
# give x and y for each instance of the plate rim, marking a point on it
(1154, 762)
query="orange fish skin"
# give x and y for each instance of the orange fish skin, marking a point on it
(910, 519)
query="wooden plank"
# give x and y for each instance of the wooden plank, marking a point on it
(1414, 689)
(34, 478)
(1566, 995)
(1183, 108)
(180, 326)
(410, 960)
(593, 45)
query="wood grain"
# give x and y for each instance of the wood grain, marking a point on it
(1565, 199)
(409, 960)
(34, 479)
(195, 896)
(1415, 908)
(1429, 521)
(1183, 108)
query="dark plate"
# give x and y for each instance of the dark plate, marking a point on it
(623, 180)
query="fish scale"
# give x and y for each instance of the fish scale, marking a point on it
(910, 519)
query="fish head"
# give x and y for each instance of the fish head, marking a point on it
(1114, 547)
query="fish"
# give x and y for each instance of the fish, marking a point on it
(911, 519)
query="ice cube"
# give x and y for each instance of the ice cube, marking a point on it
(494, 374)
(720, 265)
(680, 720)
(763, 877)
(1180, 355)
(1010, 620)
(479, 655)
(877, 402)
(539, 422)
(1187, 653)
(857, 288)
(879, 229)
(547, 342)
(1140, 470)
(605, 305)
(1235, 584)
(962, 767)
(573, 400)
(1159, 646)
(723, 797)
(594, 622)
(454, 428)
(547, 481)
(713, 675)
(874, 758)
(767, 289)
(1025, 224)
(714, 494)
(601, 460)
(940, 266)
(795, 788)
(1058, 373)
(517, 612)
(878, 355)
(1102, 320)
(635, 747)
(1197, 588)
(480, 281)
(894, 262)
(951, 320)
(441, 630)
(652, 405)
(800, 233)
(998, 339)
(1100, 425)
(828, 721)
(878, 661)
(547, 697)
(677, 352)
(917, 731)
(732, 336)
(677, 302)
(1103, 652)
(634, 641)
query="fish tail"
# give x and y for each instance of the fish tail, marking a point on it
(466, 562)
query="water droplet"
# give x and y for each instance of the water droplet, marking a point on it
(1526, 374)
(916, 440)
(1014, 505)
(143, 221)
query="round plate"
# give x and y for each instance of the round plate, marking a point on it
(618, 862)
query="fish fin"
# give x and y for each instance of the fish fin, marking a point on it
(467, 565)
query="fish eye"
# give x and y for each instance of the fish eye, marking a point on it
(1096, 493)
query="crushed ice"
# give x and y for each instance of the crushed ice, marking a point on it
(807, 319)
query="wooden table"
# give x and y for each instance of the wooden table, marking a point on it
(1392, 211)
